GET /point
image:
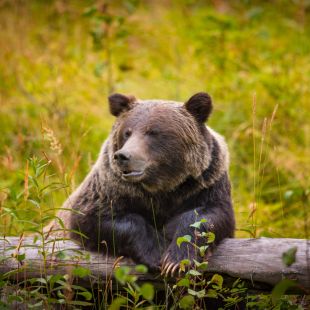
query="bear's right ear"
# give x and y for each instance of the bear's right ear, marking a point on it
(200, 106)
(120, 103)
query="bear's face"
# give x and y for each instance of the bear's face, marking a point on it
(156, 143)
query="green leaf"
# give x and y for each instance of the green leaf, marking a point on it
(201, 266)
(81, 272)
(210, 236)
(237, 282)
(217, 279)
(40, 280)
(53, 279)
(61, 255)
(61, 301)
(86, 295)
(63, 284)
(38, 305)
(131, 278)
(289, 257)
(117, 303)
(183, 282)
(187, 302)
(195, 225)
(198, 223)
(202, 250)
(141, 269)
(199, 294)
(80, 303)
(78, 287)
(194, 272)
(279, 290)
(21, 257)
(59, 293)
(186, 238)
(211, 293)
(147, 291)
(184, 263)
(192, 292)
(121, 274)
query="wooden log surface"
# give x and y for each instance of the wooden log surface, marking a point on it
(255, 260)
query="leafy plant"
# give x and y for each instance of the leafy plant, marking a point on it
(193, 287)
(108, 31)
(137, 295)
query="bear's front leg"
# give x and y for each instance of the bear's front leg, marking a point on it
(132, 236)
(219, 220)
(179, 226)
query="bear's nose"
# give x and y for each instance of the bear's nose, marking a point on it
(122, 157)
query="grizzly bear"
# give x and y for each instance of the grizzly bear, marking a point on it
(160, 170)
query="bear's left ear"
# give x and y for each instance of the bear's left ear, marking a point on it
(120, 103)
(200, 106)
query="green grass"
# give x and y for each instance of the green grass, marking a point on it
(254, 59)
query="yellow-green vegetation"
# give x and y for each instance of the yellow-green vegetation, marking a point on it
(59, 60)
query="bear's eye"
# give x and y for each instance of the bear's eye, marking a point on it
(152, 132)
(127, 133)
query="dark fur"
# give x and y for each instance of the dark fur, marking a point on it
(200, 106)
(143, 219)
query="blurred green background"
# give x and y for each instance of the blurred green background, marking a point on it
(59, 60)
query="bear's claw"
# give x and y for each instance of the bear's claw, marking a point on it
(175, 268)
(165, 259)
(168, 268)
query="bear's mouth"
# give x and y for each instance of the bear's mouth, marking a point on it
(131, 175)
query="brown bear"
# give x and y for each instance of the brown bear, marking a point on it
(160, 170)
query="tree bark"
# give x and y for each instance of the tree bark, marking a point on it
(259, 261)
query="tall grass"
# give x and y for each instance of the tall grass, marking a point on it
(54, 81)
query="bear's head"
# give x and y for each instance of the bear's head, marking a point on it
(159, 144)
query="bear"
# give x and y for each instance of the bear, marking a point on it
(160, 170)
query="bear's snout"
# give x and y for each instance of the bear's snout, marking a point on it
(131, 165)
(131, 159)
(122, 157)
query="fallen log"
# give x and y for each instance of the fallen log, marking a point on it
(259, 261)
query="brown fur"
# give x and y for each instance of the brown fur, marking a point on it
(184, 167)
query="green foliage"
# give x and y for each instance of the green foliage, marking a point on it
(198, 223)
(185, 238)
(137, 295)
(123, 275)
(289, 257)
(109, 30)
(251, 58)
(147, 291)
(187, 302)
(263, 302)
(42, 293)
(193, 287)
(117, 303)
(280, 289)
(80, 272)
(30, 198)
